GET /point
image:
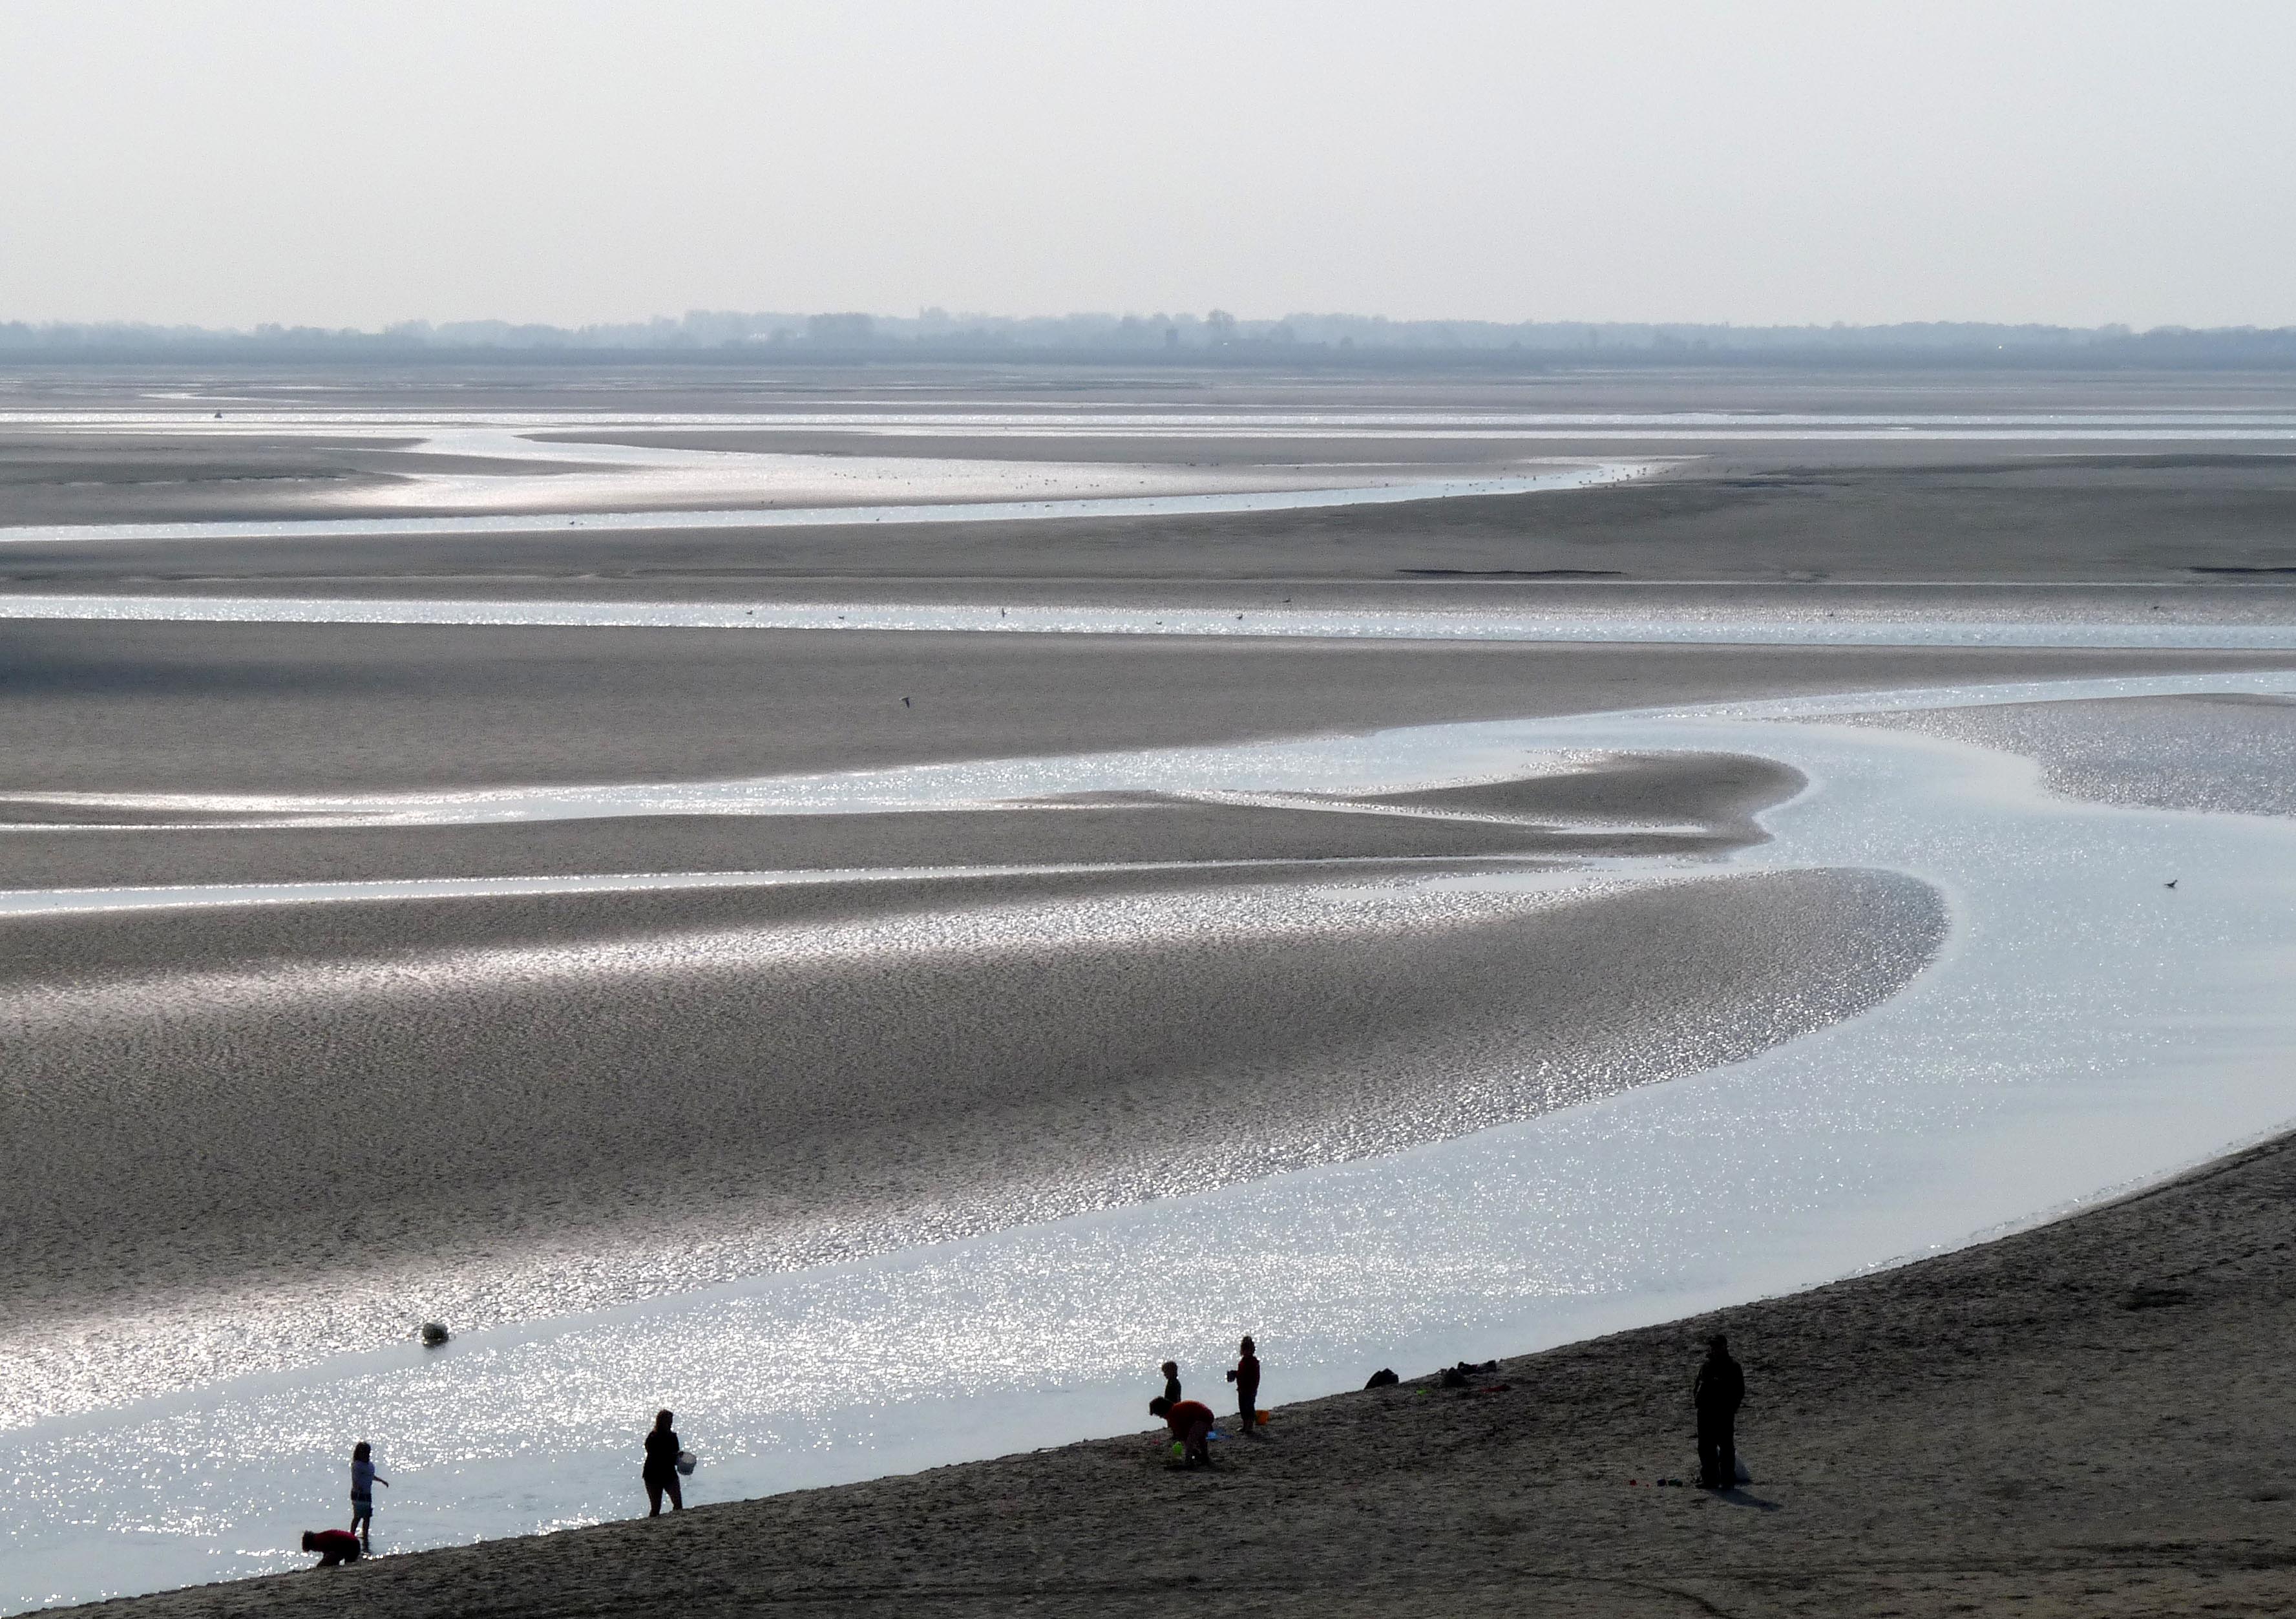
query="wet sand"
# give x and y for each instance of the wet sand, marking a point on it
(2222, 752)
(2085, 1419)
(1734, 504)
(160, 707)
(1097, 834)
(79, 477)
(1773, 518)
(1701, 805)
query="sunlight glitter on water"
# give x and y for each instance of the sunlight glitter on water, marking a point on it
(2265, 625)
(1389, 490)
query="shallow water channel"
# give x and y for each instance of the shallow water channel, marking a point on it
(2085, 1029)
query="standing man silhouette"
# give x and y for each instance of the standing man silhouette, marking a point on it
(1719, 1390)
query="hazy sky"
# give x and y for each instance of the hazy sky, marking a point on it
(340, 162)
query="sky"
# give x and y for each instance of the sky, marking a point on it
(347, 163)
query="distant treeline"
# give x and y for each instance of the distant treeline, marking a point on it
(1307, 341)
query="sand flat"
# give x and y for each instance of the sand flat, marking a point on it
(91, 707)
(1629, 809)
(1771, 519)
(1775, 477)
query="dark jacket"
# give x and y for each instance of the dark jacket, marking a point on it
(661, 1448)
(1721, 1387)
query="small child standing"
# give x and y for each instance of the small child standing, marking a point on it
(363, 1484)
(1246, 1378)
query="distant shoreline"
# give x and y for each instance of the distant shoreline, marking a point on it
(1323, 346)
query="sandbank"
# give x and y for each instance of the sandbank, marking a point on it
(547, 1103)
(186, 707)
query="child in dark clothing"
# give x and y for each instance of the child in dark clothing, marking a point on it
(1246, 1378)
(1171, 1370)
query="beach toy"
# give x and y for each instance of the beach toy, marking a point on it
(1260, 1417)
(688, 1461)
(434, 1334)
(1179, 1452)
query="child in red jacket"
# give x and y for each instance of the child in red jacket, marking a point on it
(1190, 1422)
(334, 1546)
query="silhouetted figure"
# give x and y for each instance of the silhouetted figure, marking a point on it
(1245, 1375)
(1190, 1422)
(335, 1547)
(364, 1479)
(1171, 1370)
(1719, 1390)
(660, 1476)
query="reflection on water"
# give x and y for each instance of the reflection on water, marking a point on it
(2264, 626)
(564, 515)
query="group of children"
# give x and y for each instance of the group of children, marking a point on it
(1191, 1420)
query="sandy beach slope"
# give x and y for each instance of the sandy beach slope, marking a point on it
(2084, 1419)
